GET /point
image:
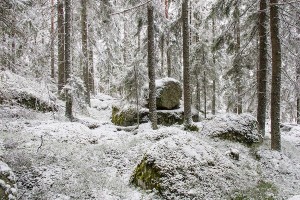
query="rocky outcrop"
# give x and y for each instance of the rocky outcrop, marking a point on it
(8, 187)
(241, 128)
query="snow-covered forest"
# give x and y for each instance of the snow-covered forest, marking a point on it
(149, 99)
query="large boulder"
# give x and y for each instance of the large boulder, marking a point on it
(168, 94)
(184, 167)
(8, 187)
(127, 116)
(241, 128)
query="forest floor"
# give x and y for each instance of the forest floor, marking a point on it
(93, 159)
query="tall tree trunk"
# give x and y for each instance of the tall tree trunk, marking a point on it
(204, 93)
(84, 37)
(276, 75)
(91, 71)
(198, 95)
(169, 66)
(52, 41)
(238, 59)
(213, 103)
(186, 65)
(298, 67)
(61, 46)
(162, 48)
(262, 70)
(151, 67)
(69, 102)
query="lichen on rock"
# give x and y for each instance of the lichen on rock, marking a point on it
(8, 187)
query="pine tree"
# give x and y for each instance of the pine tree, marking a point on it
(151, 67)
(52, 41)
(61, 45)
(262, 69)
(69, 102)
(186, 67)
(276, 75)
(84, 36)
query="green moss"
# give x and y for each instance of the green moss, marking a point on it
(191, 127)
(147, 176)
(262, 191)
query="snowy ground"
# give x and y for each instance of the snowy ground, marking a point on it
(90, 159)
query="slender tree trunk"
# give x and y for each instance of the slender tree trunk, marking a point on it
(186, 65)
(204, 92)
(213, 104)
(198, 95)
(151, 68)
(238, 60)
(276, 75)
(52, 41)
(298, 68)
(262, 70)
(162, 54)
(69, 102)
(91, 71)
(84, 37)
(61, 46)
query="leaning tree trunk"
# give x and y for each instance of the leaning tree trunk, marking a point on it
(186, 65)
(52, 41)
(84, 37)
(61, 46)
(151, 68)
(262, 70)
(68, 113)
(276, 76)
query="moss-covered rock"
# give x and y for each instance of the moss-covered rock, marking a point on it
(184, 167)
(240, 128)
(128, 116)
(8, 187)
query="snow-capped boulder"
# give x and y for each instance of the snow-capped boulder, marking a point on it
(241, 128)
(184, 167)
(168, 93)
(8, 186)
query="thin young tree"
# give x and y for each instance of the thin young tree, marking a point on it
(298, 68)
(61, 45)
(151, 67)
(276, 75)
(84, 36)
(213, 103)
(262, 68)
(186, 67)
(52, 40)
(69, 102)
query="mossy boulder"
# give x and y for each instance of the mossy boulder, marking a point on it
(168, 94)
(184, 167)
(8, 187)
(240, 128)
(127, 116)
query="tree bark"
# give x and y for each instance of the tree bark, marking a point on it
(61, 46)
(262, 70)
(52, 41)
(85, 60)
(69, 102)
(298, 67)
(204, 93)
(238, 59)
(186, 65)
(276, 76)
(162, 54)
(91, 71)
(213, 103)
(151, 68)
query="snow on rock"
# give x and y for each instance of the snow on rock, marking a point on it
(297, 197)
(291, 132)
(168, 93)
(184, 167)
(8, 187)
(241, 128)
(15, 89)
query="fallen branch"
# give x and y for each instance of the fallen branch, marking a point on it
(42, 141)
(126, 10)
